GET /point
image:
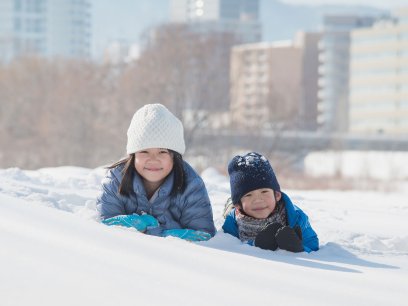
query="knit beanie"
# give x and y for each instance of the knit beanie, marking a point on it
(154, 126)
(249, 172)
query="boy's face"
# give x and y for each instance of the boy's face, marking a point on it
(260, 203)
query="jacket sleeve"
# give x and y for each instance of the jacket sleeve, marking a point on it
(309, 236)
(310, 239)
(197, 212)
(108, 202)
(296, 216)
(230, 224)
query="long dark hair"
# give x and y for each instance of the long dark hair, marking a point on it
(129, 171)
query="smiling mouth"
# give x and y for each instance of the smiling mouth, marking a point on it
(260, 208)
(153, 169)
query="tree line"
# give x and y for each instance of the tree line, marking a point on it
(75, 112)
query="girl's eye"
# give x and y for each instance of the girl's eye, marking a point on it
(164, 152)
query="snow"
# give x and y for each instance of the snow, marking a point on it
(53, 251)
(377, 165)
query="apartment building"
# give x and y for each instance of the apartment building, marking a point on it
(59, 28)
(379, 77)
(334, 70)
(275, 84)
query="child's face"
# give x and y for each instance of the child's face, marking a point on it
(260, 203)
(154, 164)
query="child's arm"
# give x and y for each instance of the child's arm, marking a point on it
(310, 239)
(108, 202)
(197, 211)
(230, 224)
(296, 216)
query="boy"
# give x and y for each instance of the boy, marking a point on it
(263, 215)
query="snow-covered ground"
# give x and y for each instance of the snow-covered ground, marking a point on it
(53, 251)
(377, 165)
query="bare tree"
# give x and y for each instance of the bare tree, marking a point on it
(56, 113)
(184, 69)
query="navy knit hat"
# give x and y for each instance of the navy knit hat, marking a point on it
(249, 172)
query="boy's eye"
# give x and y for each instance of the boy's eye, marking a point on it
(265, 191)
(247, 195)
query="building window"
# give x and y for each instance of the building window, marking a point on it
(34, 6)
(17, 24)
(17, 5)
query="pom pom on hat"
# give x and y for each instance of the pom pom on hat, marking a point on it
(154, 126)
(250, 172)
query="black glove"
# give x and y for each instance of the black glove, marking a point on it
(266, 237)
(290, 239)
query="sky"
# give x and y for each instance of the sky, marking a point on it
(385, 4)
(54, 250)
(125, 20)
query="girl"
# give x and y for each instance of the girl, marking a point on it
(153, 189)
(263, 215)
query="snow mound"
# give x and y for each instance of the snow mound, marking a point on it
(55, 252)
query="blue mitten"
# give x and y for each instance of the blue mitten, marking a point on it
(141, 223)
(187, 234)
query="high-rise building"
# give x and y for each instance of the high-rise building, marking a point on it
(334, 70)
(309, 42)
(379, 77)
(58, 28)
(233, 16)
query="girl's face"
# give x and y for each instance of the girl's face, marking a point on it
(154, 164)
(260, 203)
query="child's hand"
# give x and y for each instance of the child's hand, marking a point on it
(141, 223)
(187, 234)
(289, 239)
(266, 238)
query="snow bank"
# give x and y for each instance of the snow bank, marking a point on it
(55, 252)
(367, 165)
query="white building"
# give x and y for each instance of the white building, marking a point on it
(49, 28)
(235, 16)
(379, 77)
(334, 70)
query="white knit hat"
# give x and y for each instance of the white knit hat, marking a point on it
(154, 126)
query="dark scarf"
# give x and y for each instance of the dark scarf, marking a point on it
(249, 227)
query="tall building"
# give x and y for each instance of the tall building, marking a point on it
(275, 84)
(233, 16)
(309, 42)
(48, 28)
(334, 70)
(265, 84)
(379, 77)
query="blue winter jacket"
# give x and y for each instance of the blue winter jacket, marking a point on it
(188, 210)
(295, 216)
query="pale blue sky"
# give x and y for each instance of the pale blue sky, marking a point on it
(127, 19)
(385, 4)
